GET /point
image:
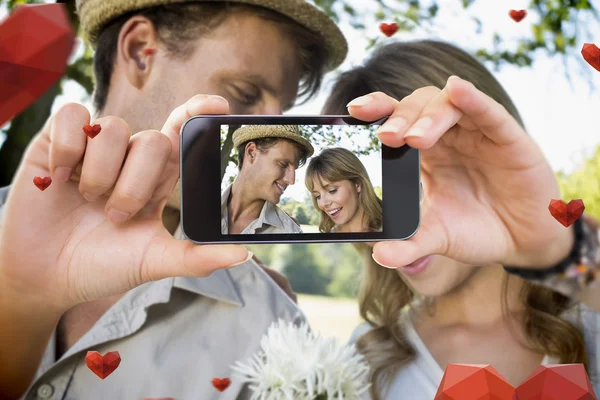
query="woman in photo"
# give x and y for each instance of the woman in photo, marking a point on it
(342, 192)
(438, 310)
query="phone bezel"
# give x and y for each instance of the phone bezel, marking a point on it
(200, 224)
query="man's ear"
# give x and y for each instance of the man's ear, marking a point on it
(251, 151)
(136, 49)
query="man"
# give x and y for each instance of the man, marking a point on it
(268, 158)
(87, 264)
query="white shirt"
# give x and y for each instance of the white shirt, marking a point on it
(421, 378)
(272, 219)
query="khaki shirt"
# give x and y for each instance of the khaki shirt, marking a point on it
(174, 336)
(272, 219)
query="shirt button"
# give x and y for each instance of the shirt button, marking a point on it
(45, 391)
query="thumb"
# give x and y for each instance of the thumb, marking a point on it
(430, 239)
(168, 257)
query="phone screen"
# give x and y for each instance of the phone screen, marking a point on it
(338, 188)
(288, 179)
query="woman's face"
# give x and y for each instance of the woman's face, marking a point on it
(339, 200)
(436, 276)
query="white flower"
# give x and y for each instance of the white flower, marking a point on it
(295, 364)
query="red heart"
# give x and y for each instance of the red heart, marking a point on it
(476, 382)
(591, 54)
(566, 214)
(221, 383)
(42, 183)
(518, 15)
(92, 131)
(37, 41)
(102, 366)
(388, 29)
(564, 382)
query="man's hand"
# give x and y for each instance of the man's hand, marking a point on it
(487, 185)
(97, 230)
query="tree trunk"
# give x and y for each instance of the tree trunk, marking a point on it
(22, 129)
(227, 147)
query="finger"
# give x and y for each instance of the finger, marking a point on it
(104, 156)
(401, 114)
(147, 156)
(435, 119)
(494, 121)
(67, 140)
(168, 257)
(197, 105)
(428, 240)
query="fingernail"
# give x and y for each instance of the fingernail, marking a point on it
(90, 197)
(62, 174)
(419, 128)
(217, 99)
(360, 101)
(250, 255)
(395, 125)
(117, 216)
(454, 78)
(383, 265)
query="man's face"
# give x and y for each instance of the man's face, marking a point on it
(247, 60)
(270, 172)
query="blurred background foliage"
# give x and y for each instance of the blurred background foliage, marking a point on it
(315, 268)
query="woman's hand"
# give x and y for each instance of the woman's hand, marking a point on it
(487, 185)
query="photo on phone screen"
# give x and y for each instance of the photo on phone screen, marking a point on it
(295, 179)
(303, 179)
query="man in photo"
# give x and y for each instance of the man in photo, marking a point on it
(268, 157)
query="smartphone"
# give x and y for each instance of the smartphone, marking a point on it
(287, 179)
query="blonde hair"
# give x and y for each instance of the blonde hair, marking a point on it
(339, 164)
(398, 69)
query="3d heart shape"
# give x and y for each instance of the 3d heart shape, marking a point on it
(105, 365)
(476, 382)
(42, 183)
(517, 15)
(35, 44)
(564, 382)
(473, 382)
(221, 383)
(591, 54)
(92, 130)
(566, 214)
(388, 29)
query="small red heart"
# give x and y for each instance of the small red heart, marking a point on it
(42, 183)
(221, 383)
(518, 15)
(388, 29)
(102, 366)
(92, 131)
(591, 54)
(564, 213)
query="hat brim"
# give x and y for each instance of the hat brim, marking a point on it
(95, 14)
(245, 136)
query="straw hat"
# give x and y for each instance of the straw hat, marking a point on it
(253, 132)
(94, 14)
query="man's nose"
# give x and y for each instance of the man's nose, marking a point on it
(269, 107)
(290, 176)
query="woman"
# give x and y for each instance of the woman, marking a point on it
(342, 192)
(445, 297)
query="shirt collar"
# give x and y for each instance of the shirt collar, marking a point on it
(220, 285)
(268, 213)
